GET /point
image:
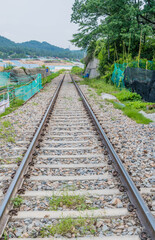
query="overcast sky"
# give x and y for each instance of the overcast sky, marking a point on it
(42, 20)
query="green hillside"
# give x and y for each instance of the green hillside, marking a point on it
(11, 49)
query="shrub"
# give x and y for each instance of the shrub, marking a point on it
(76, 70)
(126, 95)
(43, 66)
(8, 67)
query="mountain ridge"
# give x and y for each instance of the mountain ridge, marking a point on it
(35, 48)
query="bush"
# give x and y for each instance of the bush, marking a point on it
(138, 105)
(126, 95)
(43, 66)
(24, 69)
(8, 67)
(76, 70)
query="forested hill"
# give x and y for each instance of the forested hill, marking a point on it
(34, 48)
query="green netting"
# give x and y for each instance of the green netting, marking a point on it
(26, 91)
(118, 74)
(4, 79)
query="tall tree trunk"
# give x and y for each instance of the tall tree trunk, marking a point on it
(108, 49)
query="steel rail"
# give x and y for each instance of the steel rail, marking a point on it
(19, 176)
(145, 216)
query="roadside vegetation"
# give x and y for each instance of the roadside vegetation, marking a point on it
(131, 103)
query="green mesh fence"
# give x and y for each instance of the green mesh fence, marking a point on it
(118, 73)
(26, 91)
(4, 79)
(9, 93)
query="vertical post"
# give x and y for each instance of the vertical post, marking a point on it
(140, 47)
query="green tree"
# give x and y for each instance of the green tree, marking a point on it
(120, 23)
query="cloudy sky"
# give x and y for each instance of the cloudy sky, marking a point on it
(42, 20)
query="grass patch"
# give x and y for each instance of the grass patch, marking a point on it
(16, 103)
(69, 225)
(131, 113)
(100, 86)
(72, 202)
(7, 132)
(132, 101)
(135, 115)
(6, 124)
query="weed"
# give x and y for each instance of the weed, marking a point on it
(17, 201)
(18, 159)
(69, 225)
(23, 68)
(5, 236)
(35, 104)
(68, 98)
(8, 67)
(138, 105)
(113, 118)
(80, 99)
(10, 139)
(74, 202)
(7, 131)
(126, 95)
(6, 124)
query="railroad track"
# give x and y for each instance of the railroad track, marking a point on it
(71, 182)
